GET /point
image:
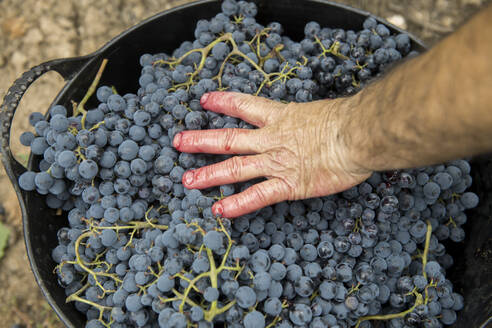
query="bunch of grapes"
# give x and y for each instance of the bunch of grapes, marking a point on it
(140, 250)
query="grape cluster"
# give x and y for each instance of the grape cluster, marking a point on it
(140, 250)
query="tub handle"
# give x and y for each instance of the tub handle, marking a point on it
(66, 67)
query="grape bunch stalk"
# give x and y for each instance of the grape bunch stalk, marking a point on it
(141, 250)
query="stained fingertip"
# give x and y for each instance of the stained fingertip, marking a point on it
(215, 100)
(204, 98)
(218, 209)
(177, 140)
(188, 178)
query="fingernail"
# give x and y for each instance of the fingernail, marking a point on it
(177, 140)
(204, 99)
(188, 178)
(217, 209)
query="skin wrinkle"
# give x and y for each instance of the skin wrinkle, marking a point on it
(234, 167)
(230, 138)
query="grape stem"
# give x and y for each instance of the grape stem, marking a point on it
(95, 230)
(212, 274)
(92, 88)
(268, 78)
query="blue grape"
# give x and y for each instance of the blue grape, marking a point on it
(277, 271)
(300, 314)
(469, 200)
(43, 180)
(308, 253)
(245, 297)
(254, 319)
(26, 181)
(26, 138)
(88, 169)
(133, 303)
(108, 237)
(304, 286)
(196, 313)
(211, 294)
(213, 240)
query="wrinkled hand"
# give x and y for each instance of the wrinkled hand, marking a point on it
(299, 148)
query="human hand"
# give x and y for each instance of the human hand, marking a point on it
(299, 147)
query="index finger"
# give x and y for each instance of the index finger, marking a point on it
(255, 110)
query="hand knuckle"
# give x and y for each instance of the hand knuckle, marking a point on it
(259, 194)
(230, 136)
(234, 167)
(242, 103)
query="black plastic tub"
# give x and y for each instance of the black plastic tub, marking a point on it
(163, 33)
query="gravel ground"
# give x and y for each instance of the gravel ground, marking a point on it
(52, 29)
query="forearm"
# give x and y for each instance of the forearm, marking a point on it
(430, 109)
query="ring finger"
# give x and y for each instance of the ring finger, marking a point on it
(232, 170)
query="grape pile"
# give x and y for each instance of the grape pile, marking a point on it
(140, 250)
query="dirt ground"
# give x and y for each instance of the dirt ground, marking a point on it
(33, 31)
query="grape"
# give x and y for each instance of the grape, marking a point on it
(211, 294)
(418, 230)
(88, 169)
(304, 286)
(118, 314)
(177, 320)
(260, 261)
(176, 174)
(431, 190)
(116, 103)
(103, 93)
(94, 323)
(341, 244)
(457, 234)
(272, 306)
(277, 271)
(90, 195)
(443, 179)
(196, 313)
(59, 123)
(35, 117)
(294, 240)
(308, 252)
(230, 287)
(213, 240)
(245, 297)
(165, 283)
(27, 181)
(325, 249)
(254, 319)
(262, 281)
(300, 314)
(38, 145)
(108, 237)
(133, 303)
(43, 180)
(128, 150)
(26, 138)
(469, 200)
(294, 272)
